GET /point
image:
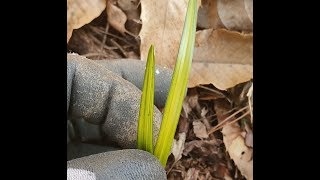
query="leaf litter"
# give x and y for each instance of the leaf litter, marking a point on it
(219, 142)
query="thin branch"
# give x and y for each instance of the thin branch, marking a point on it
(225, 120)
(215, 91)
(120, 48)
(104, 39)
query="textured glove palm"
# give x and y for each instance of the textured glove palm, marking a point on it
(103, 99)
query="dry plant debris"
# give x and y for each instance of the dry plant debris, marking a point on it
(219, 142)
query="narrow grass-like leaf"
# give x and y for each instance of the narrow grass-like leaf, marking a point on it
(178, 86)
(145, 128)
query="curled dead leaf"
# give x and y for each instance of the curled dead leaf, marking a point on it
(81, 12)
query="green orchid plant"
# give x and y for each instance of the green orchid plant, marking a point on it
(177, 92)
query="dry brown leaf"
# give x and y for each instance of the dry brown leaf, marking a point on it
(221, 57)
(116, 17)
(223, 46)
(178, 146)
(234, 15)
(222, 76)
(192, 174)
(248, 4)
(238, 151)
(207, 147)
(208, 15)
(127, 5)
(234, 142)
(81, 12)
(199, 129)
(162, 26)
(249, 135)
(190, 102)
(130, 8)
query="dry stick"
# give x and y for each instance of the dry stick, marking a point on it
(222, 123)
(120, 38)
(243, 115)
(120, 48)
(225, 120)
(104, 38)
(98, 30)
(229, 111)
(215, 91)
(98, 42)
(174, 163)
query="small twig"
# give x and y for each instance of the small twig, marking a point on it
(215, 91)
(225, 113)
(225, 120)
(120, 38)
(98, 42)
(174, 163)
(97, 30)
(243, 115)
(100, 31)
(104, 38)
(120, 48)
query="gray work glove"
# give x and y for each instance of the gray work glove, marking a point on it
(103, 99)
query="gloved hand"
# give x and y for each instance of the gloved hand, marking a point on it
(103, 99)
